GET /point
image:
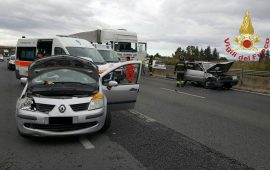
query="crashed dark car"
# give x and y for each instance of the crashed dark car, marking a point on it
(211, 75)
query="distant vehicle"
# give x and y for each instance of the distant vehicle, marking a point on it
(211, 75)
(107, 53)
(1, 57)
(124, 42)
(11, 62)
(156, 64)
(6, 53)
(65, 95)
(27, 49)
(159, 65)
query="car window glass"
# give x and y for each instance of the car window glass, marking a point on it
(59, 51)
(198, 67)
(190, 66)
(86, 52)
(109, 55)
(26, 53)
(124, 75)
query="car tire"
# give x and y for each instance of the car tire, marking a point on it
(107, 123)
(227, 86)
(22, 134)
(206, 83)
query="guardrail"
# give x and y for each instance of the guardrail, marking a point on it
(239, 72)
(250, 72)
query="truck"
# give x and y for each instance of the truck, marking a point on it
(123, 42)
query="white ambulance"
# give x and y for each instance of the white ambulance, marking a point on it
(27, 49)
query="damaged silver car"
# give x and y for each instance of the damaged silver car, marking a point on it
(65, 95)
(211, 75)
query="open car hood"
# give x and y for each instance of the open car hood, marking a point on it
(58, 62)
(220, 67)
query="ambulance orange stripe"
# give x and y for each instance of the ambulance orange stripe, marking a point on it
(23, 63)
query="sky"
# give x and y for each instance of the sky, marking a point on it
(163, 24)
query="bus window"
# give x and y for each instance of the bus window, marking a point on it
(26, 53)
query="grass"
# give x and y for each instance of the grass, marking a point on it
(258, 66)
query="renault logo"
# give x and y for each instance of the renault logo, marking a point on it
(62, 108)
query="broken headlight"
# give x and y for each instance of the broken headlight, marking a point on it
(28, 104)
(97, 102)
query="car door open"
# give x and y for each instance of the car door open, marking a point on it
(121, 85)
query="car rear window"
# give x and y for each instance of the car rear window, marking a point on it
(26, 53)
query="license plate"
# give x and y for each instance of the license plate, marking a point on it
(234, 77)
(60, 120)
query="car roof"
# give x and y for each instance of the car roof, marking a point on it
(65, 41)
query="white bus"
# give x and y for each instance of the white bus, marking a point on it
(125, 43)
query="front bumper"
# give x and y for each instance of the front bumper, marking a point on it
(222, 83)
(37, 124)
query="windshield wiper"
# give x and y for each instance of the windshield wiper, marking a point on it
(112, 61)
(101, 63)
(71, 83)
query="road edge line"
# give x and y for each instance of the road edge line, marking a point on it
(184, 93)
(86, 143)
(142, 116)
(252, 92)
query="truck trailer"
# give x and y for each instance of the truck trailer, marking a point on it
(124, 42)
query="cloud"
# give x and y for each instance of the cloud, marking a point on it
(165, 25)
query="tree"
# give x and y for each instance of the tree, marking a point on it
(201, 55)
(215, 55)
(188, 53)
(157, 55)
(223, 59)
(207, 53)
(267, 55)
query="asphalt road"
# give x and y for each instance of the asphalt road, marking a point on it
(193, 128)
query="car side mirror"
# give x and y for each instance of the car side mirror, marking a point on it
(112, 84)
(23, 80)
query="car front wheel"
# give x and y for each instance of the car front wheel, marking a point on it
(107, 123)
(22, 134)
(227, 86)
(207, 83)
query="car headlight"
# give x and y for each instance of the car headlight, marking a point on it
(27, 104)
(234, 77)
(97, 102)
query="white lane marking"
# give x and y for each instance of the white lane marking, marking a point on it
(142, 116)
(193, 95)
(86, 143)
(251, 92)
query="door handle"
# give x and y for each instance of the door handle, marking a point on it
(133, 90)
